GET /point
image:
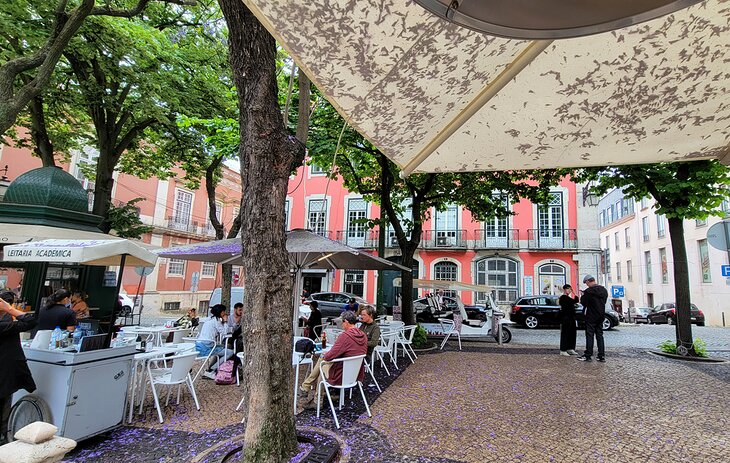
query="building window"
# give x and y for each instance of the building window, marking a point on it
(183, 208)
(647, 266)
(355, 282)
(203, 307)
(664, 266)
(552, 278)
(500, 274)
(318, 216)
(208, 269)
(627, 237)
(608, 242)
(357, 211)
(314, 169)
(725, 207)
(550, 217)
(645, 227)
(629, 271)
(616, 241)
(602, 219)
(496, 227)
(627, 206)
(704, 261)
(607, 263)
(446, 271)
(645, 202)
(661, 228)
(175, 267)
(447, 226)
(618, 271)
(701, 222)
(171, 306)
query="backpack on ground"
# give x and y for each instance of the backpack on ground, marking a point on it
(225, 374)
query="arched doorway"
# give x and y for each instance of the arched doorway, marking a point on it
(552, 279)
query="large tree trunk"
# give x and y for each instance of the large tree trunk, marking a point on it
(104, 183)
(267, 153)
(39, 132)
(681, 285)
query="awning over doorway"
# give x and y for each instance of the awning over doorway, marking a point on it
(434, 96)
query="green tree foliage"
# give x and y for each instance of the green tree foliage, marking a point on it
(364, 169)
(681, 190)
(124, 220)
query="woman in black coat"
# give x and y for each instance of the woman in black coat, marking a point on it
(315, 319)
(14, 372)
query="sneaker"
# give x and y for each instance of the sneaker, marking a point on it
(583, 358)
(572, 352)
(564, 353)
(602, 359)
(209, 375)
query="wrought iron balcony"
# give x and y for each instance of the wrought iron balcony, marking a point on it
(552, 238)
(497, 239)
(440, 239)
(182, 224)
(365, 239)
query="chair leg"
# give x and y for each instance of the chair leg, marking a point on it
(405, 349)
(191, 386)
(372, 375)
(157, 400)
(458, 336)
(179, 388)
(167, 399)
(240, 404)
(296, 386)
(382, 362)
(410, 346)
(362, 393)
(446, 338)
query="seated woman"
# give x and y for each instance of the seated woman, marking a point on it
(190, 320)
(79, 306)
(57, 312)
(214, 329)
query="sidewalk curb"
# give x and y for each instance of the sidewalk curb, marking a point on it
(714, 360)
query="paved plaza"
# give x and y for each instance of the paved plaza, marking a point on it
(515, 403)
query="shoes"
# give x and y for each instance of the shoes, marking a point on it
(583, 358)
(572, 352)
(209, 375)
(602, 359)
(564, 353)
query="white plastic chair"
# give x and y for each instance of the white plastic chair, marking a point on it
(332, 334)
(405, 340)
(298, 359)
(350, 370)
(448, 328)
(178, 375)
(387, 341)
(205, 358)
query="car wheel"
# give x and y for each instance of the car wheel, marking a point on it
(606, 323)
(532, 322)
(670, 321)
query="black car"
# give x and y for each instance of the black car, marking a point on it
(331, 303)
(426, 314)
(667, 313)
(535, 311)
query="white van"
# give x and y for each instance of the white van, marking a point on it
(236, 296)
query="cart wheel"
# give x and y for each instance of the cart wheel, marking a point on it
(506, 335)
(29, 409)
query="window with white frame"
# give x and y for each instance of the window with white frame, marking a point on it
(608, 242)
(663, 265)
(618, 271)
(627, 237)
(550, 217)
(500, 274)
(171, 306)
(208, 269)
(446, 271)
(355, 282)
(629, 271)
(314, 169)
(183, 207)
(175, 267)
(447, 225)
(357, 211)
(616, 241)
(661, 228)
(497, 227)
(627, 206)
(645, 227)
(647, 266)
(644, 202)
(701, 222)
(704, 254)
(552, 278)
(317, 218)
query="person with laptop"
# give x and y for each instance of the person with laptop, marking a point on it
(14, 372)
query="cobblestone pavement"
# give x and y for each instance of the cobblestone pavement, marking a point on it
(515, 403)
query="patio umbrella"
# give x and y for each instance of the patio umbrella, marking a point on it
(434, 96)
(89, 252)
(306, 249)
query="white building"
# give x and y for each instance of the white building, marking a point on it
(637, 256)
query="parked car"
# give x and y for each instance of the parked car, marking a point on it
(330, 304)
(472, 311)
(639, 314)
(126, 302)
(667, 313)
(535, 311)
(236, 296)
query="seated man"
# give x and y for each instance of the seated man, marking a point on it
(351, 305)
(349, 344)
(369, 327)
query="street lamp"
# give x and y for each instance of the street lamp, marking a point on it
(550, 19)
(590, 198)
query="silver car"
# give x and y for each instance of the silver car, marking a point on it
(331, 304)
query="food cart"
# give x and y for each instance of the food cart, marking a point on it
(82, 393)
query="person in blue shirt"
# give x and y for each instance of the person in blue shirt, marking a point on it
(351, 305)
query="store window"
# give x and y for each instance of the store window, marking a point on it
(552, 279)
(355, 282)
(501, 274)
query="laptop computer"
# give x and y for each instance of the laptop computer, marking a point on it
(89, 343)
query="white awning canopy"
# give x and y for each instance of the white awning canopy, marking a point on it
(89, 252)
(434, 96)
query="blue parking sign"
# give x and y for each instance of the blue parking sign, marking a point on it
(726, 270)
(617, 291)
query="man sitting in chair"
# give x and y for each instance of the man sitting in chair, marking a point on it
(369, 327)
(348, 344)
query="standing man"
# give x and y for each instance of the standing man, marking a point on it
(567, 321)
(594, 305)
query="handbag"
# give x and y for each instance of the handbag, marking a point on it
(305, 333)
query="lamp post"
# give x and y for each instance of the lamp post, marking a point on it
(590, 198)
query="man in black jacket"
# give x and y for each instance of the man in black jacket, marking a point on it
(14, 372)
(594, 304)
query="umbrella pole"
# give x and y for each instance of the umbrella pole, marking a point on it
(295, 300)
(113, 317)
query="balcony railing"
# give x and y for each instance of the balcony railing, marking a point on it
(551, 238)
(499, 239)
(436, 239)
(366, 239)
(182, 224)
